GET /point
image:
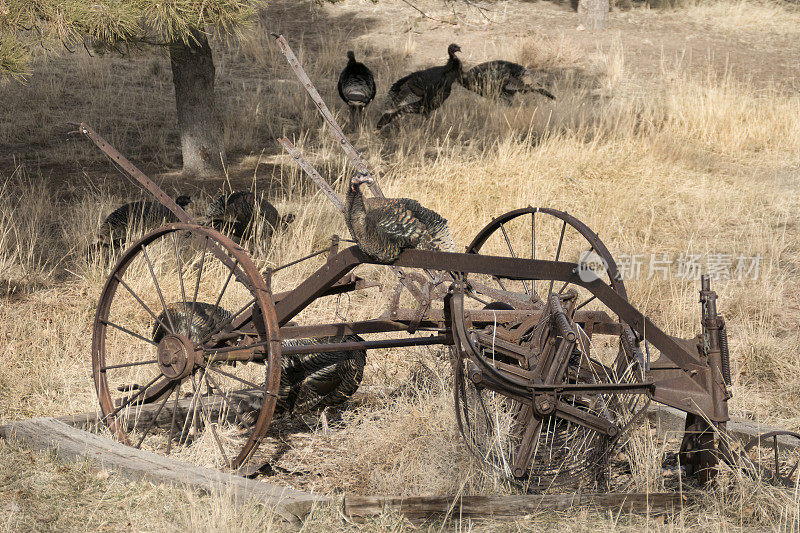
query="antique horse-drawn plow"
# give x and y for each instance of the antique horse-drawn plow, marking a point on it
(553, 366)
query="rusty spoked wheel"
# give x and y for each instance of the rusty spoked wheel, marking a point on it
(184, 324)
(536, 445)
(775, 457)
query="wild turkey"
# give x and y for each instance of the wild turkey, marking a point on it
(424, 90)
(356, 85)
(234, 214)
(308, 381)
(501, 78)
(383, 227)
(204, 318)
(318, 380)
(135, 215)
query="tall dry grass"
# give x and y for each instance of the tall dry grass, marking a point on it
(683, 163)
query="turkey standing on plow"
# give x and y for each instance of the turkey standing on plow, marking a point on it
(384, 227)
(494, 79)
(356, 86)
(425, 90)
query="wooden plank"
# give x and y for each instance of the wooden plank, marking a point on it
(420, 507)
(673, 421)
(70, 444)
(144, 414)
(244, 401)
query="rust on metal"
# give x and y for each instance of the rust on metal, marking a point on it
(137, 174)
(533, 350)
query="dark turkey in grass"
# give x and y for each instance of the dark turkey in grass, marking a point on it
(308, 381)
(384, 227)
(495, 79)
(318, 380)
(356, 86)
(134, 216)
(423, 91)
(234, 214)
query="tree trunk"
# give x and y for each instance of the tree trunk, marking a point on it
(200, 126)
(593, 14)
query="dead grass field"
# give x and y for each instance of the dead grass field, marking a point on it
(674, 132)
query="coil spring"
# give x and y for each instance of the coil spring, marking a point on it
(725, 356)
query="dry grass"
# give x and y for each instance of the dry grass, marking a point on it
(680, 163)
(762, 16)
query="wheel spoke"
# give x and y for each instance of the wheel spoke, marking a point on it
(225, 285)
(558, 253)
(511, 251)
(211, 425)
(179, 263)
(158, 288)
(128, 401)
(227, 401)
(138, 299)
(219, 327)
(153, 420)
(126, 330)
(777, 461)
(174, 413)
(199, 276)
(586, 302)
(533, 246)
(127, 365)
(193, 411)
(237, 378)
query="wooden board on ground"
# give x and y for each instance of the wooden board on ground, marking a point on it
(66, 436)
(72, 444)
(672, 420)
(421, 507)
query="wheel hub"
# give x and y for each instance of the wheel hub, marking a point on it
(176, 357)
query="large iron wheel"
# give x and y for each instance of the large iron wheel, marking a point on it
(541, 449)
(180, 317)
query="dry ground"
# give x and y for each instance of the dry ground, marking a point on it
(674, 132)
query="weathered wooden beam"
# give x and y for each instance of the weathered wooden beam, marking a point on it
(672, 420)
(143, 414)
(71, 444)
(420, 507)
(245, 402)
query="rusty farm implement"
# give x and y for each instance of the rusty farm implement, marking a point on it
(552, 364)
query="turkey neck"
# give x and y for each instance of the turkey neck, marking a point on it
(355, 212)
(453, 67)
